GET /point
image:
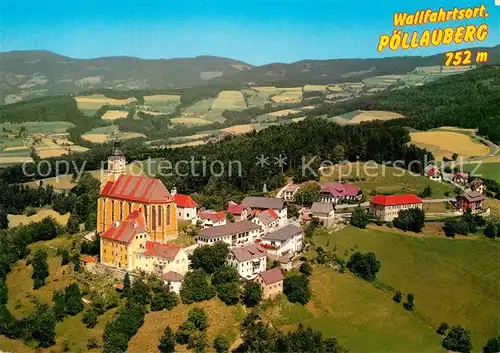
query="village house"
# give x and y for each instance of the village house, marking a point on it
(478, 186)
(233, 234)
(288, 193)
(285, 241)
(238, 211)
(285, 262)
(161, 258)
(267, 220)
(460, 177)
(186, 207)
(471, 200)
(271, 282)
(339, 192)
(175, 279)
(434, 174)
(324, 212)
(209, 218)
(261, 204)
(249, 260)
(387, 207)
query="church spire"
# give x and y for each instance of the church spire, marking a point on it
(116, 162)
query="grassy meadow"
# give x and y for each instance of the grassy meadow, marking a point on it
(453, 280)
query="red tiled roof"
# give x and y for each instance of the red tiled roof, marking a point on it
(89, 258)
(268, 216)
(462, 175)
(235, 208)
(433, 172)
(212, 215)
(339, 189)
(137, 188)
(248, 252)
(272, 276)
(124, 231)
(391, 200)
(185, 201)
(165, 251)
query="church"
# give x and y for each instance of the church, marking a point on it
(136, 217)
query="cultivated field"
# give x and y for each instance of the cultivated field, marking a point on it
(37, 127)
(187, 144)
(190, 121)
(374, 115)
(290, 95)
(240, 129)
(372, 177)
(114, 114)
(16, 220)
(434, 269)
(445, 143)
(163, 103)
(200, 107)
(488, 170)
(94, 102)
(315, 88)
(106, 133)
(229, 100)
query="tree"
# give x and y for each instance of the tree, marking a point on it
(491, 230)
(229, 292)
(40, 269)
(59, 309)
(427, 192)
(458, 339)
(126, 285)
(360, 218)
(65, 257)
(364, 266)
(493, 345)
(443, 327)
(197, 342)
(252, 294)
(292, 211)
(163, 297)
(397, 297)
(308, 193)
(412, 220)
(140, 292)
(167, 342)
(210, 257)
(199, 318)
(221, 344)
(185, 331)
(196, 287)
(230, 217)
(224, 274)
(4, 221)
(44, 327)
(91, 222)
(73, 224)
(89, 318)
(296, 289)
(305, 268)
(409, 305)
(73, 299)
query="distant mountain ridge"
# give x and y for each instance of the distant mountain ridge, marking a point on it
(28, 74)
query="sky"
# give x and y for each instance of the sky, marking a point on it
(255, 31)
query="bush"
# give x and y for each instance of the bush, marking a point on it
(397, 297)
(409, 305)
(196, 287)
(458, 339)
(252, 294)
(305, 268)
(492, 346)
(92, 343)
(296, 289)
(360, 218)
(221, 344)
(30, 211)
(412, 220)
(443, 327)
(364, 266)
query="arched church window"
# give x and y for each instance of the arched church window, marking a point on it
(153, 221)
(160, 211)
(168, 215)
(112, 211)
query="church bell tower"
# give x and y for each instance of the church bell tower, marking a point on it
(116, 163)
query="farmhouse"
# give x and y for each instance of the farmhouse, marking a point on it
(267, 220)
(285, 241)
(434, 174)
(261, 204)
(209, 218)
(324, 212)
(386, 208)
(123, 194)
(288, 193)
(239, 211)
(478, 186)
(233, 234)
(249, 260)
(339, 192)
(271, 282)
(161, 259)
(186, 207)
(473, 200)
(460, 177)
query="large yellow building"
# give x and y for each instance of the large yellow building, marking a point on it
(122, 194)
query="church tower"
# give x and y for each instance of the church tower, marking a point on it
(116, 163)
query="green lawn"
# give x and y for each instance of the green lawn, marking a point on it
(380, 179)
(200, 107)
(486, 170)
(38, 127)
(454, 280)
